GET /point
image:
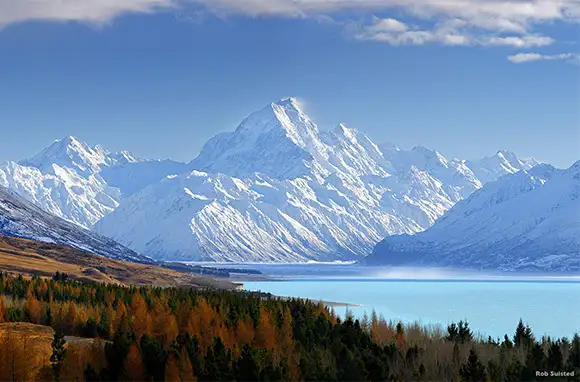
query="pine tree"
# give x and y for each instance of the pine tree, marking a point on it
(520, 334)
(555, 358)
(452, 332)
(535, 361)
(573, 362)
(464, 332)
(473, 370)
(58, 353)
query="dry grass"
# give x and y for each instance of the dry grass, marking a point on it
(28, 257)
(27, 349)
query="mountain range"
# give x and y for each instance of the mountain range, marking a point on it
(277, 189)
(525, 221)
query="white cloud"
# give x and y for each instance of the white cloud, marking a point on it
(453, 32)
(521, 58)
(510, 23)
(90, 11)
(524, 41)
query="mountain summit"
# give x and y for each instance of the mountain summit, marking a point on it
(278, 140)
(278, 188)
(69, 152)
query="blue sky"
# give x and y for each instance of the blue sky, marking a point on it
(160, 77)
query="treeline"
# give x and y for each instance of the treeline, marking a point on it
(183, 334)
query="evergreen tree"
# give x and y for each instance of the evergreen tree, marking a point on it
(573, 362)
(514, 371)
(535, 361)
(464, 332)
(58, 353)
(519, 336)
(555, 358)
(452, 332)
(247, 366)
(473, 370)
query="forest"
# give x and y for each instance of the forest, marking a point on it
(66, 330)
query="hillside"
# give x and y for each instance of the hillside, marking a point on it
(28, 257)
(21, 218)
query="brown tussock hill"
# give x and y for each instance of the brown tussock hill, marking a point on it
(33, 258)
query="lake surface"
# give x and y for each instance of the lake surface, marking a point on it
(493, 304)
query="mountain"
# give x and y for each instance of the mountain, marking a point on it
(529, 220)
(502, 163)
(280, 189)
(80, 183)
(23, 219)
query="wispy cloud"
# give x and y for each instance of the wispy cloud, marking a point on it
(511, 23)
(520, 58)
(90, 11)
(508, 23)
(449, 32)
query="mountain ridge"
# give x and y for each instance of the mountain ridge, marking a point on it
(529, 220)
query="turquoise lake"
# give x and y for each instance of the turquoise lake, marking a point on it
(493, 305)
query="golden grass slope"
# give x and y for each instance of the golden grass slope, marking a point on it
(28, 257)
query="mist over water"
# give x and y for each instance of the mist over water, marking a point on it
(322, 271)
(492, 302)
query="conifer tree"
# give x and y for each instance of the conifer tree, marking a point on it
(573, 362)
(58, 353)
(555, 358)
(134, 369)
(473, 370)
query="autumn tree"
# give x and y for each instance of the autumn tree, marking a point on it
(2, 310)
(141, 322)
(265, 332)
(134, 370)
(34, 309)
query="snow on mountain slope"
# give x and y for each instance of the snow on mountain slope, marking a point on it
(525, 221)
(20, 218)
(82, 199)
(72, 154)
(216, 217)
(80, 183)
(502, 163)
(279, 189)
(276, 189)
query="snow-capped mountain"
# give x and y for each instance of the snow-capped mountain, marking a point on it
(280, 189)
(277, 188)
(21, 218)
(529, 220)
(504, 162)
(80, 183)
